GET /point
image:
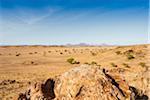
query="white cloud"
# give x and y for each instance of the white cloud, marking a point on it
(30, 17)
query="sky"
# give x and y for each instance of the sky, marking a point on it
(58, 22)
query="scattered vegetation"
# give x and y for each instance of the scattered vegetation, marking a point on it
(113, 64)
(18, 54)
(93, 54)
(93, 63)
(130, 56)
(118, 47)
(86, 63)
(72, 61)
(32, 62)
(76, 62)
(118, 52)
(129, 51)
(30, 53)
(61, 53)
(65, 50)
(126, 65)
(143, 64)
(8, 82)
(96, 54)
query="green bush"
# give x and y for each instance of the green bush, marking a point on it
(129, 57)
(70, 60)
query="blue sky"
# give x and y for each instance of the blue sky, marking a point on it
(50, 22)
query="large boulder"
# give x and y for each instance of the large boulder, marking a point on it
(86, 82)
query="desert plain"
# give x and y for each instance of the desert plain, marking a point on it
(21, 66)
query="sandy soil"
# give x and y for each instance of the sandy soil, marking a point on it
(21, 66)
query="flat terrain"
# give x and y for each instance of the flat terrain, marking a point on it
(21, 66)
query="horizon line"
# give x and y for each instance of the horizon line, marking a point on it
(73, 45)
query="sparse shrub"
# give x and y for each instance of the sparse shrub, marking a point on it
(142, 64)
(61, 53)
(126, 65)
(65, 50)
(118, 47)
(76, 62)
(35, 52)
(129, 52)
(32, 62)
(86, 63)
(113, 65)
(118, 52)
(18, 54)
(93, 54)
(93, 63)
(72, 61)
(49, 51)
(135, 79)
(30, 53)
(129, 57)
(98, 65)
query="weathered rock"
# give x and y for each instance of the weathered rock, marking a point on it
(89, 83)
(81, 83)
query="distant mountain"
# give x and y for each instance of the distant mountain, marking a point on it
(85, 44)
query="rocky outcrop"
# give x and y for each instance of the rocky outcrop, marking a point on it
(81, 83)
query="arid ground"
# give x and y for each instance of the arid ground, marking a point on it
(21, 66)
